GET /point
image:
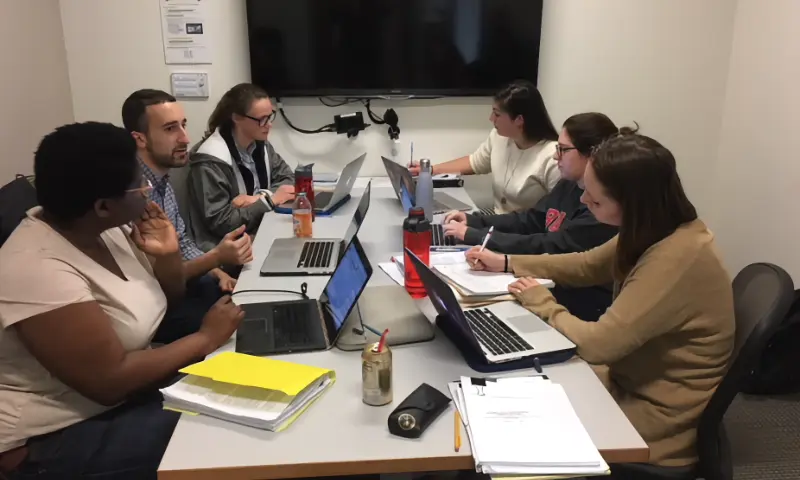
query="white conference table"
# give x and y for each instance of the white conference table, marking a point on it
(339, 434)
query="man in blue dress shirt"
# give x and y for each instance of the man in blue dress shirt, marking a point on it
(158, 124)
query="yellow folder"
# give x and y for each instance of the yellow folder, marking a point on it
(261, 372)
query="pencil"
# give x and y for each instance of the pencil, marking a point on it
(457, 431)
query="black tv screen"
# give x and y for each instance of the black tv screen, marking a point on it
(392, 47)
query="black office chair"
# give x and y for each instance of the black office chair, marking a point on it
(762, 295)
(16, 198)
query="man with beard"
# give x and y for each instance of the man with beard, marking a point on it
(158, 124)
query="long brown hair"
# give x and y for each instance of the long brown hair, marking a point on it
(523, 98)
(237, 100)
(641, 175)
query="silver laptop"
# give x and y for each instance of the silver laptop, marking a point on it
(399, 175)
(313, 256)
(324, 202)
(503, 331)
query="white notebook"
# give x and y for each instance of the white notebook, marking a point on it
(480, 283)
(521, 426)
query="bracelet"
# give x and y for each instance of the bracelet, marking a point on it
(505, 268)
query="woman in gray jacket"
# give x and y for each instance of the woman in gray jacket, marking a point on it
(235, 175)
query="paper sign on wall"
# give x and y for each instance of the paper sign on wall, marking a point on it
(184, 29)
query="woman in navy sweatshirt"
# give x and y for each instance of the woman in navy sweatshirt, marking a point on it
(559, 223)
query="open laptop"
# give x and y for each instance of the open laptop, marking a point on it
(439, 240)
(326, 202)
(399, 175)
(310, 324)
(313, 256)
(503, 331)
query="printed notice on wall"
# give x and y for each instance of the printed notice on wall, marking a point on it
(184, 28)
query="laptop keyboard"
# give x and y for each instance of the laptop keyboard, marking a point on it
(316, 255)
(289, 326)
(438, 239)
(494, 334)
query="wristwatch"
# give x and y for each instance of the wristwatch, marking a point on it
(267, 198)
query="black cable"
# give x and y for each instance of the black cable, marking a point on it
(346, 101)
(326, 129)
(372, 116)
(303, 291)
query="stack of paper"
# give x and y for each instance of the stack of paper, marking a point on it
(470, 286)
(255, 391)
(396, 271)
(474, 282)
(524, 426)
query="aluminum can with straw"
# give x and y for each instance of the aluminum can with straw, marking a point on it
(376, 374)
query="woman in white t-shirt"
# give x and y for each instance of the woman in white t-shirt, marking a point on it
(518, 153)
(84, 285)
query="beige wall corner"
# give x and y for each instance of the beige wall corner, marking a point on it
(34, 86)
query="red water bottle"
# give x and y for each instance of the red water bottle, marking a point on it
(304, 183)
(417, 238)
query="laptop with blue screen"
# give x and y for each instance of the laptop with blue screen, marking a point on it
(404, 187)
(308, 324)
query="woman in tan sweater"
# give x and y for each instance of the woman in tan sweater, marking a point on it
(662, 347)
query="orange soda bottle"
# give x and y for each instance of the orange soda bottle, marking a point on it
(302, 216)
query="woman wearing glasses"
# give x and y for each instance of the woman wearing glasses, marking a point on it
(559, 223)
(235, 175)
(84, 286)
(518, 153)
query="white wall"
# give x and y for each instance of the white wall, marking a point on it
(114, 48)
(661, 62)
(34, 88)
(756, 215)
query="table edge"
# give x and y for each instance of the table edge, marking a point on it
(366, 467)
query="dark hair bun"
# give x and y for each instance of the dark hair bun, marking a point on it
(629, 130)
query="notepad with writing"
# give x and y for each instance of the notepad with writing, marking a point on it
(519, 426)
(255, 391)
(395, 271)
(473, 282)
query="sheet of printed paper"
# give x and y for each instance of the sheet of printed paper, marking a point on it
(184, 30)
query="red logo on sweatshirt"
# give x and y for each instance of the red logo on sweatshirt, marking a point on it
(554, 219)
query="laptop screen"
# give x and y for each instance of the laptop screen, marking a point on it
(442, 298)
(405, 198)
(345, 286)
(358, 217)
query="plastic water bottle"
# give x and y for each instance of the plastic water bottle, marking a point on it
(424, 191)
(417, 238)
(301, 216)
(304, 182)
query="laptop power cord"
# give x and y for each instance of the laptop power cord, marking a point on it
(303, 291)
(364, 326)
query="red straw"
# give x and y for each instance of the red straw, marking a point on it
(382, 342)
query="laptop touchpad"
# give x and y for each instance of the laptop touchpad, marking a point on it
(528, 324)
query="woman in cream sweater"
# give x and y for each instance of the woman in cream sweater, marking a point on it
(662, 346)
(518, 153)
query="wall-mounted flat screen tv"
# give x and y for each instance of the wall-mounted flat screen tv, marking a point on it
(392, 47)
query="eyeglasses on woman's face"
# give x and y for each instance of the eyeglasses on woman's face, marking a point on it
(263, 121)
(144, 189)
(562, 149)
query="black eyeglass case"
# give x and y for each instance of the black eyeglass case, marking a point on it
(415, 414)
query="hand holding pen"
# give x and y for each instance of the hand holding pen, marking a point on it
(485, 260)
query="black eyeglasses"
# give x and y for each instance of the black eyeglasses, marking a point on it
(561, 149)
(263, 120)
